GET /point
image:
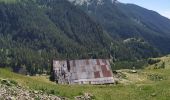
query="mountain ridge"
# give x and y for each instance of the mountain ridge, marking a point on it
(129, 20)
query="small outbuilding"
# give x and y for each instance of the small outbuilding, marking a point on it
(87, 71)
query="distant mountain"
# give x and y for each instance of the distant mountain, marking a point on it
(129, 20)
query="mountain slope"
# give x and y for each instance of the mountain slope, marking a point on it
(34, 32)
(31, 35)
(75, 23)
(128, 20)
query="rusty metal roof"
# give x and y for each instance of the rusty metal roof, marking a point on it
(87, 71)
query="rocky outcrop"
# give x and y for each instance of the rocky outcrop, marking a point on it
(85, 96)
(10, 90)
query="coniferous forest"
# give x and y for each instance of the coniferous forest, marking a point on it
(34, 32)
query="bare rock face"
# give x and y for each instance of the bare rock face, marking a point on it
(10, 90)
(88, 2)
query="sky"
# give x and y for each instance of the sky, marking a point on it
(160, 6)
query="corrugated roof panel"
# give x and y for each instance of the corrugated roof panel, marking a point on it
(94, 62)
(101, 74)
(98, 62)
(90, 75)
(108, 63)
(98, 68)
(94, 68)
(88, 68)
(107, 67)
(104, 61)
(103, 67)
(83, 69)
(97, 74)
(107, 74)
(87, 62)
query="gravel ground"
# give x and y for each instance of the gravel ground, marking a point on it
(10, 90)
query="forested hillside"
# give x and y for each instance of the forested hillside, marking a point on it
(129, 20)
(34, 32)
(31, 38)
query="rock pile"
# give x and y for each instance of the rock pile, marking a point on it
(10, 90)
(85, 96)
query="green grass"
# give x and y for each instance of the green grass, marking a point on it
(156, 90)
(147, 89)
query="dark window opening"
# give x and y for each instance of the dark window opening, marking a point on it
(68, 65)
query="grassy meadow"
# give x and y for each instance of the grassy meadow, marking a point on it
(146, 84)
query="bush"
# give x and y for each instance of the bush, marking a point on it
(156, 77)
(13, 82)
(5, 82)
(153, 61)
(159, 66)
(129, 64)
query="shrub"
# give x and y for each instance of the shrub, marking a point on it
(156, 77)
(129, 64)
(13, 82)
(153, 61)
(5, 82)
